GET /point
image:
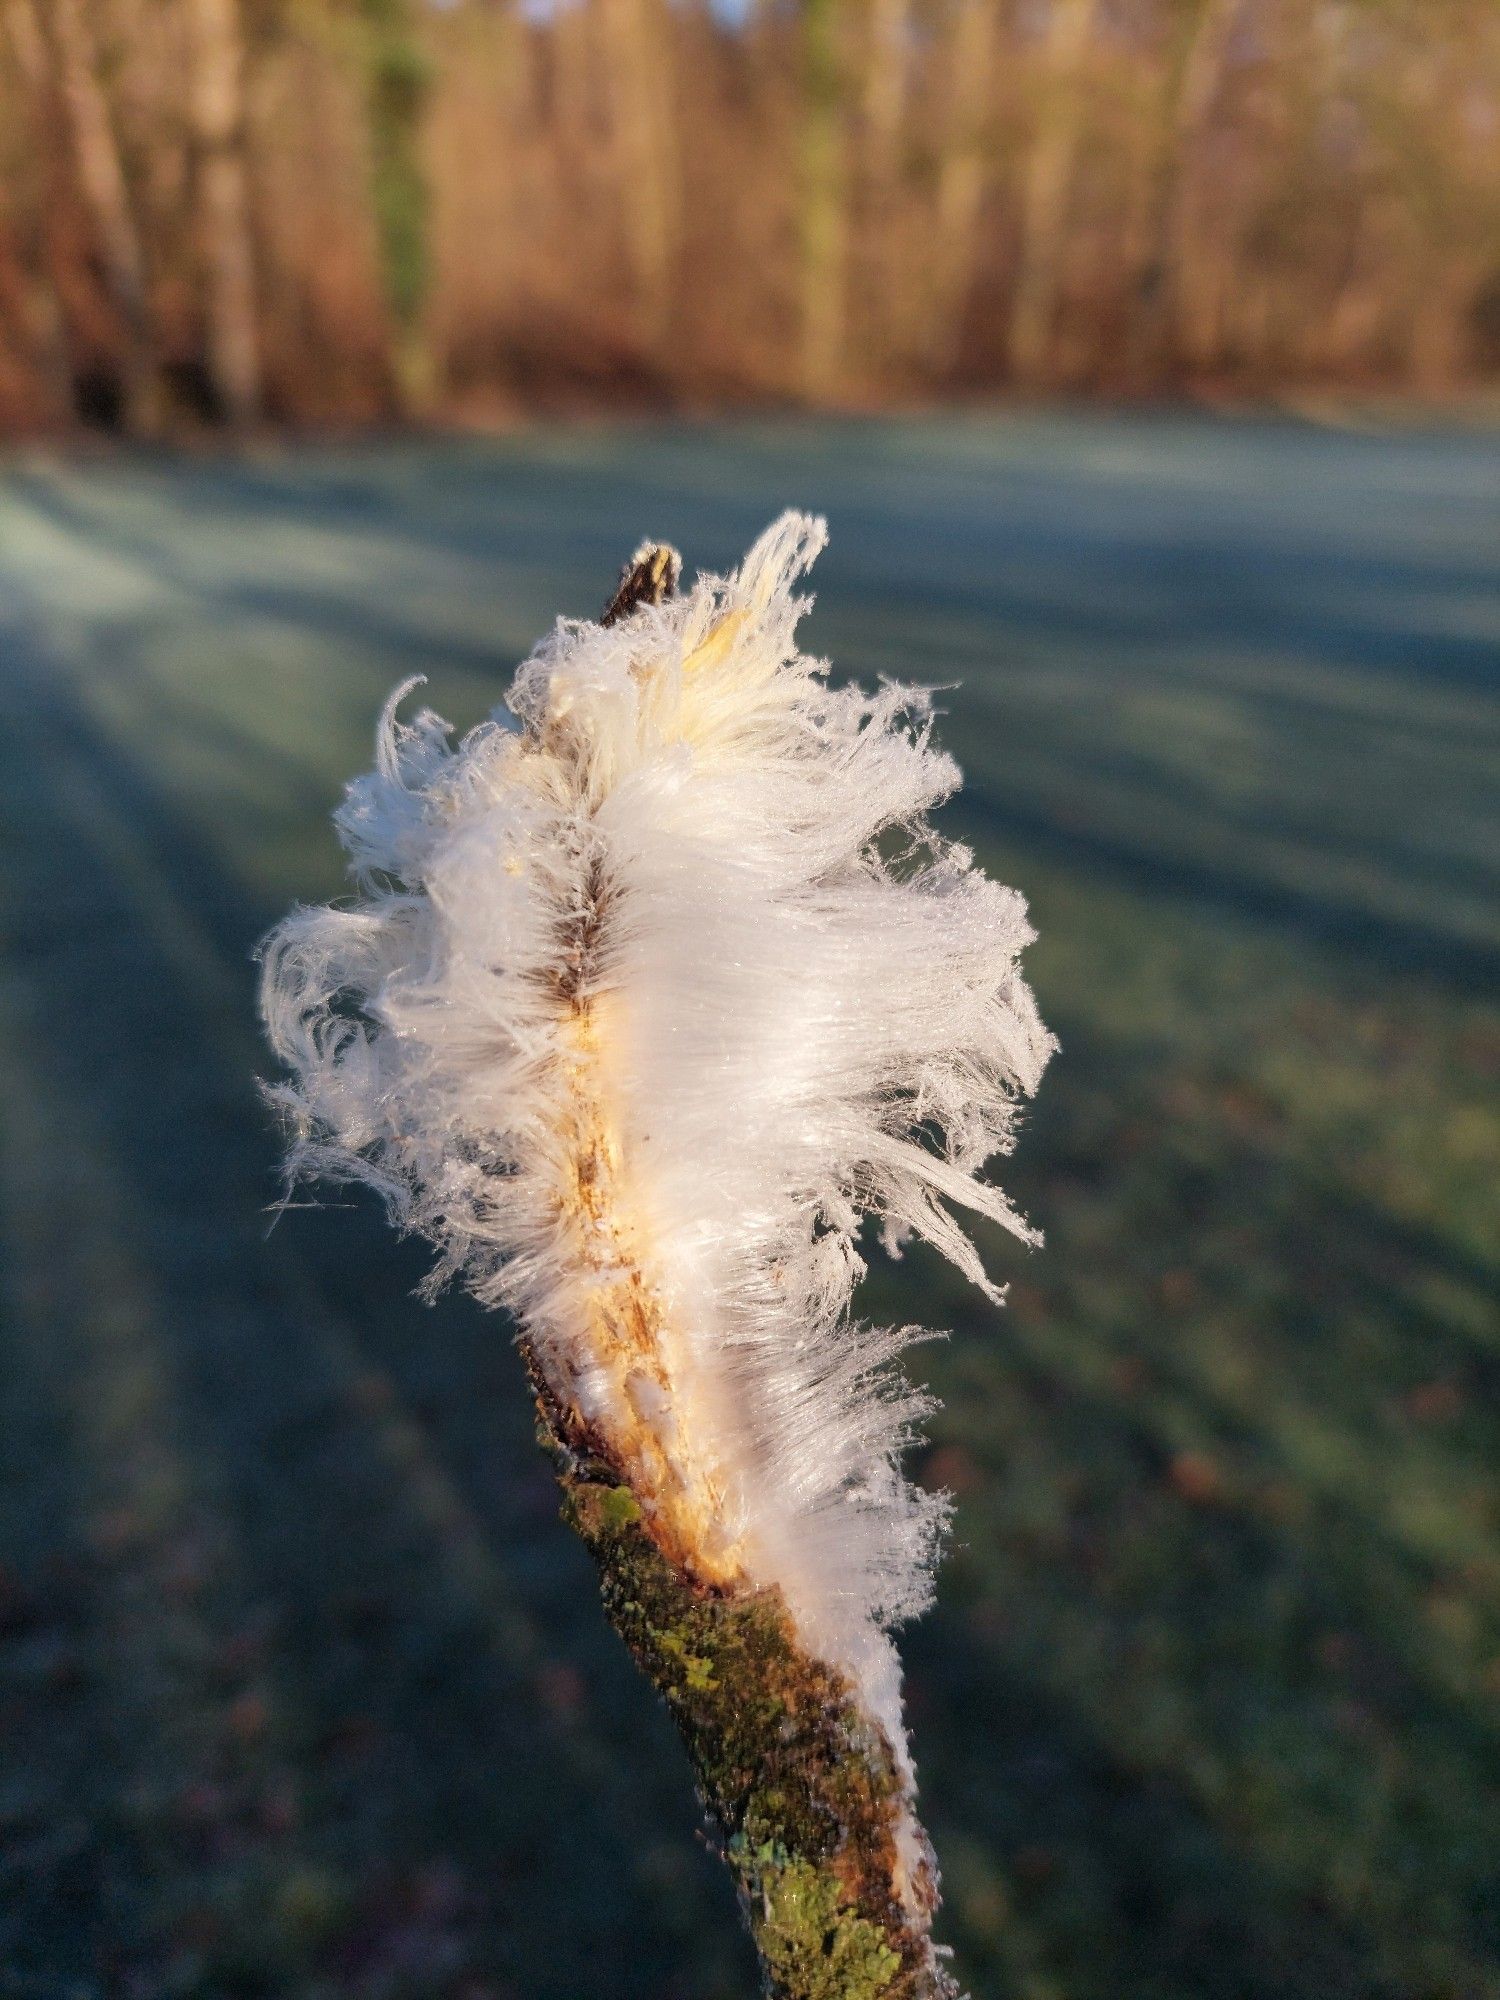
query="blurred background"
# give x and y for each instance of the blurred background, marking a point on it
(1143, 355)
(337, 210)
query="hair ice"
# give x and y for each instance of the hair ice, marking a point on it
(644, 1005)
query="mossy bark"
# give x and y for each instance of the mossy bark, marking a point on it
(800, 1783)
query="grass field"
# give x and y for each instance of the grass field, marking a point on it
(304, 1691)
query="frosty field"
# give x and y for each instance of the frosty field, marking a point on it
(305, 1692)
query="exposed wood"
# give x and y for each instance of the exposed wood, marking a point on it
(650, 577)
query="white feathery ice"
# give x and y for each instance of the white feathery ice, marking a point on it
(649, 997)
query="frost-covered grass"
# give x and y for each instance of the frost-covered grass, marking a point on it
(305, 1690)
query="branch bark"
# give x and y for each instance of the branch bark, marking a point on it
(801, 1783)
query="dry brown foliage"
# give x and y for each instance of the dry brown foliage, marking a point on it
(337, 210)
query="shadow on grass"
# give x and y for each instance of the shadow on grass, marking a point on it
(381, 1720)
(328, 1696)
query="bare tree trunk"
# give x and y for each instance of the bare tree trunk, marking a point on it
(960, 184)
(101, 177)
(24, 29)
(1193, 252)
(1361, 300)
(1143, 170)
(396, 84)
(876, 268)
(218, 107)
(46, 328)
(1047, 185)
(824, 222)
(883, 98)
(642, 116)
(1162, 210)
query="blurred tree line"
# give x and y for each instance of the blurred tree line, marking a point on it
(337, 210)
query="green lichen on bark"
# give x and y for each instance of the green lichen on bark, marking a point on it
(801, 1784)
(810, 1941)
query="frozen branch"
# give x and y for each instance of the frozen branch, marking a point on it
(648, 1003)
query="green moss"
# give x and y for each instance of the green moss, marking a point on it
(800, 1783)
(811, 1943)
(697, 1666)
(619, 1508)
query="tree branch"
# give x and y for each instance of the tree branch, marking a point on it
(800, 1783)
